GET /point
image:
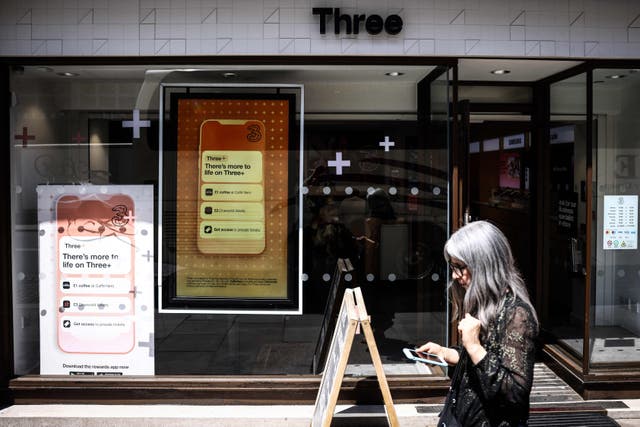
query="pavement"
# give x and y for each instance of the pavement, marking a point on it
(626, 417)
(553, 403)
(625, 412)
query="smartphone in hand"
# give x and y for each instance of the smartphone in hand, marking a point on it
(420, 356)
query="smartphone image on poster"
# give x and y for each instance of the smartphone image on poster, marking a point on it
(231, 218)
(95, 274)
(420, 356)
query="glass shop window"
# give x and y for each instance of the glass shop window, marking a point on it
(118, 207)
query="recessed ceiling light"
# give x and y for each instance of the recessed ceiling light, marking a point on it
(616, 76)
(68, 74)
(633, 71)
(500, 71)
(45, 69)
(394, 74)
(229, 75)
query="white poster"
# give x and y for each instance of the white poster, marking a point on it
(96, 279)
(620, 222)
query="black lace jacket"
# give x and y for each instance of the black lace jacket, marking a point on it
(495, 392)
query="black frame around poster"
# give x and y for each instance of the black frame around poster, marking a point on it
(169, 299)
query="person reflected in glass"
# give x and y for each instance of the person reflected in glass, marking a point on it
(379, 211)
(497, 327)
(378, 291)
(325, 240)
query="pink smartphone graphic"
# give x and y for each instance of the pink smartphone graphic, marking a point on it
(95, 274)
(231, 217)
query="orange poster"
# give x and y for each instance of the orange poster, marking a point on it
(232, 212)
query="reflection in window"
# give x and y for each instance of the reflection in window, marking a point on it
(101, 127)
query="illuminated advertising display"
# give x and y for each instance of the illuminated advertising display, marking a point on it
(230, 211)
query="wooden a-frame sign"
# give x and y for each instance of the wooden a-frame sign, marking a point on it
(353, 314)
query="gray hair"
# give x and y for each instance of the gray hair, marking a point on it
(486, 252)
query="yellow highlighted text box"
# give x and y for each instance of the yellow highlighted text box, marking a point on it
(231, 166)
(231, 210)
(237, 230)
(232, 192)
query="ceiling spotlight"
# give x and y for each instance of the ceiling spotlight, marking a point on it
(68, 74)
(500, 72)
(229, 75)
(394, 74)
(616, 76)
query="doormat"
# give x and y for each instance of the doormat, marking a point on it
(619, 342)
(585, 419)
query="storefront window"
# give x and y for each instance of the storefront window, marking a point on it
(92, 150)
(615, 327)
(565, 197)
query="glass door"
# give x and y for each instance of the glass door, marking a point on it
(564, 280)
(615, 306)
(591, 303)
(439, 144)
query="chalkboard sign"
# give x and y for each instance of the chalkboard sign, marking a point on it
(337, 358)
(365, 322)
(353, 313)
(343, 267)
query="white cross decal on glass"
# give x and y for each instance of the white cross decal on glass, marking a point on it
(136, 124)
(149, 344)
(386, 143)
(129, 216)
(148, 255)
(338, 163)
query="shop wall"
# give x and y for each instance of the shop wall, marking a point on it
(529, 28)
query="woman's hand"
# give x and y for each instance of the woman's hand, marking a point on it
(449, 355)
(469, 329)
